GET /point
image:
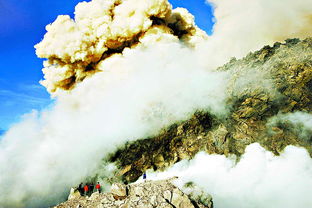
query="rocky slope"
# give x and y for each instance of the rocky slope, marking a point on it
(264, 86)
(149, 194)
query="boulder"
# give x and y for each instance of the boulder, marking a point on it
(119, 191)
(74, 193)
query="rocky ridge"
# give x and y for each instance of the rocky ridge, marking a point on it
(149, 194)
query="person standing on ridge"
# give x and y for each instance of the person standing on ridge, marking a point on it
(144, 176)
(98, 187)
(80, 189)
(86, 189)
(91, 188)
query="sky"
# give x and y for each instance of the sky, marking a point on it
(22, 25)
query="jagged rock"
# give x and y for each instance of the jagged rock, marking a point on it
(180, 200)
(119, 191)
(149, 194)
(94, 196)
(198, 194)
(74, 193)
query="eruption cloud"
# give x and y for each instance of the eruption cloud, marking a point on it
(75, 48)
(123, 70)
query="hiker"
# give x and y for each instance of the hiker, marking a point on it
(98, 187)
(144, 176)
(86, 189)
(80, 189)
(91, 188)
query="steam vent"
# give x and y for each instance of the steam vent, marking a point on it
(149, 110)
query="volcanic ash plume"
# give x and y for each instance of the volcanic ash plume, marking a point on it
(75, 48)
(102, 28)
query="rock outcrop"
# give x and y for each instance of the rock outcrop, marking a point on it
(149, 194)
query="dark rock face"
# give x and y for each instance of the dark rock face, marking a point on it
(280, 83)
(269, 82)
(175, 143)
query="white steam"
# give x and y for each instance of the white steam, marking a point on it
(50, 152)
(259, 179)
(123, 70)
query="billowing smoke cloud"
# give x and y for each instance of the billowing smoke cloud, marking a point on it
(259, 179)
(122, 70)
(101, 28)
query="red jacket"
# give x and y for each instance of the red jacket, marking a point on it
(86, 188)
(98, 186)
